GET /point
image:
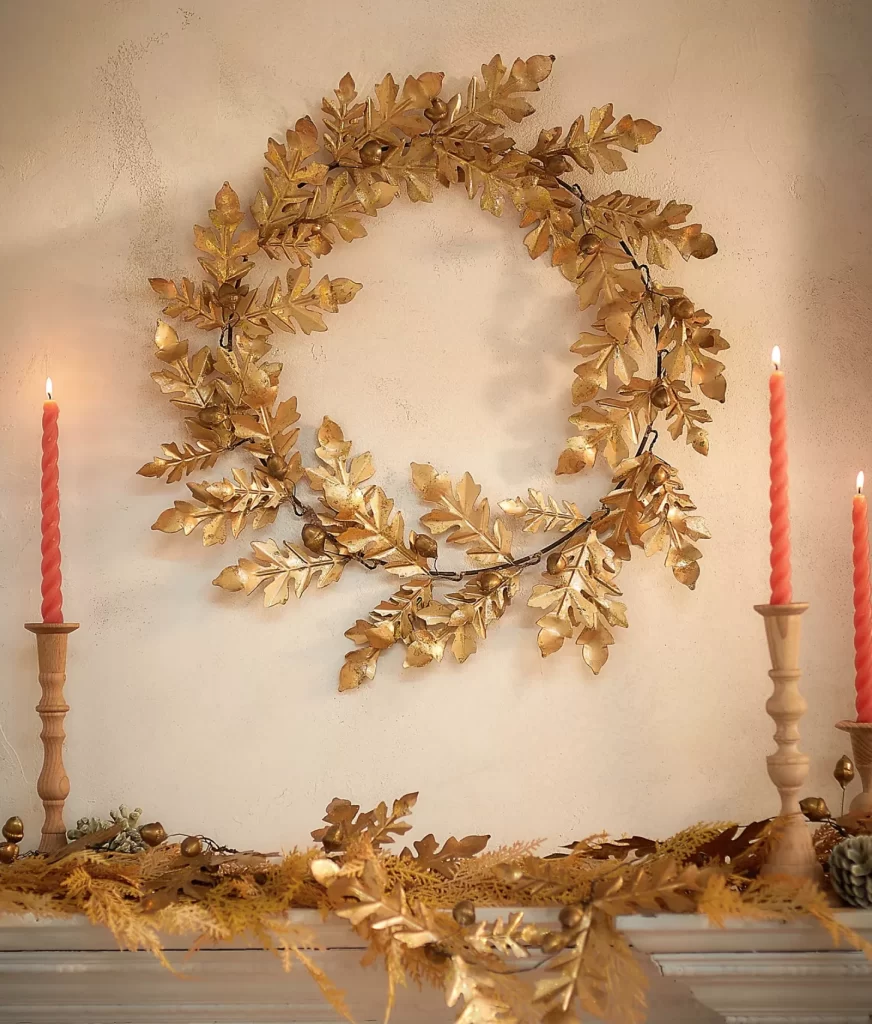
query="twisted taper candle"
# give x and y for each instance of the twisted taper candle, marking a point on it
(862, 607)
(779, 508)
(52, 602)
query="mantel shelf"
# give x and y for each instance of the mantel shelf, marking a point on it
(67, 969)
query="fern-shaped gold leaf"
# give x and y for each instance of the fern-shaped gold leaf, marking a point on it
(280, 569)
(461, 515)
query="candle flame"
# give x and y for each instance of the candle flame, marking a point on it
(860, 479)
(776, 357)
(48, 387)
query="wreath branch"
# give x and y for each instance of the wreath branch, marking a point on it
(410, 134)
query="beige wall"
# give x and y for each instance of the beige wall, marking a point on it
(120, 121)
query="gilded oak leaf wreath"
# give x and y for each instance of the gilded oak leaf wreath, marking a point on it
(318, 192)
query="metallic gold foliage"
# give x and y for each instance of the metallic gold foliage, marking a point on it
(648, 508)
(444, 859)
(461, 515)
(638, 222)
(377, 827)
(280, 569)
(539, 512)
(503, 971)
(581, 601)
(648, 361)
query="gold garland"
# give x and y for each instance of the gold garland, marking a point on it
(416, 909)
(411, 138)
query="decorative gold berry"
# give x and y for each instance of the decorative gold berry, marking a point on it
(659, 475)
(682, 309)
(436, 111)
(556, 562)
(571, 917)
(509, 873)
(277, 467)
(489, 581)
(13, 830)
(426, 546)
(191, 847)
(552, 942)
(153, 834)
(8, 852)
(557, 164)
(590, 243)
(814, 808)
(660, 397)
(211, 416)
(372, 152)
(314, 537)
(843, 773)
(464, 913)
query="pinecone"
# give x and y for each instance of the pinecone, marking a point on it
(851, 870)
(127, 841)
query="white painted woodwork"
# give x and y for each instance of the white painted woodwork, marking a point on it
(759, 973)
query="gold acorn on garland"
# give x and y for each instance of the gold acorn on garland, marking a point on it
(650, 337)
(851, 870)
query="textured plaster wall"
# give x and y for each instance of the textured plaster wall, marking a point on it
(120, 121)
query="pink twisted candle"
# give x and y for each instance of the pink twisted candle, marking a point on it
(862, 606)
(52, 601)
(779, 507)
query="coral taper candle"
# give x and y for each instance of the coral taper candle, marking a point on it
(52, 603)
(862, 605)
(779, 508)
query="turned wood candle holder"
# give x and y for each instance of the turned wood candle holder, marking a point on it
(53, 786)
(861, 748)
(791, 852)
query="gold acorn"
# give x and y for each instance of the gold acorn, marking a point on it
(557, 164)
(437, 110)
(571, 917)
(590, 243)
(153, 833)
(277, 467)
(489, 581)
(682, 309)
(509, 873)
(660, 398)
(659, 475)
(372, 152)
(814, 808)
(211, 416)
(314, 537)
(8, 852)
(464, 913)
(556, 562)
(552, 942)
(13, 830)
(843, 773)
(426, 546)
(191, 847)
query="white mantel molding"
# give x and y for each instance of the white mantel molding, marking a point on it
(69, 972)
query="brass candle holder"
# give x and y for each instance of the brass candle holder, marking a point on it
(791, 852)
(861, 747)
(53, 786)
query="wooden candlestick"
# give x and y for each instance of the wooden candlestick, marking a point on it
(861, 747)
(53, 786)
(792, 852)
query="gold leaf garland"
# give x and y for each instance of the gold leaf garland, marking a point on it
(417, 913)
(651, 354)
